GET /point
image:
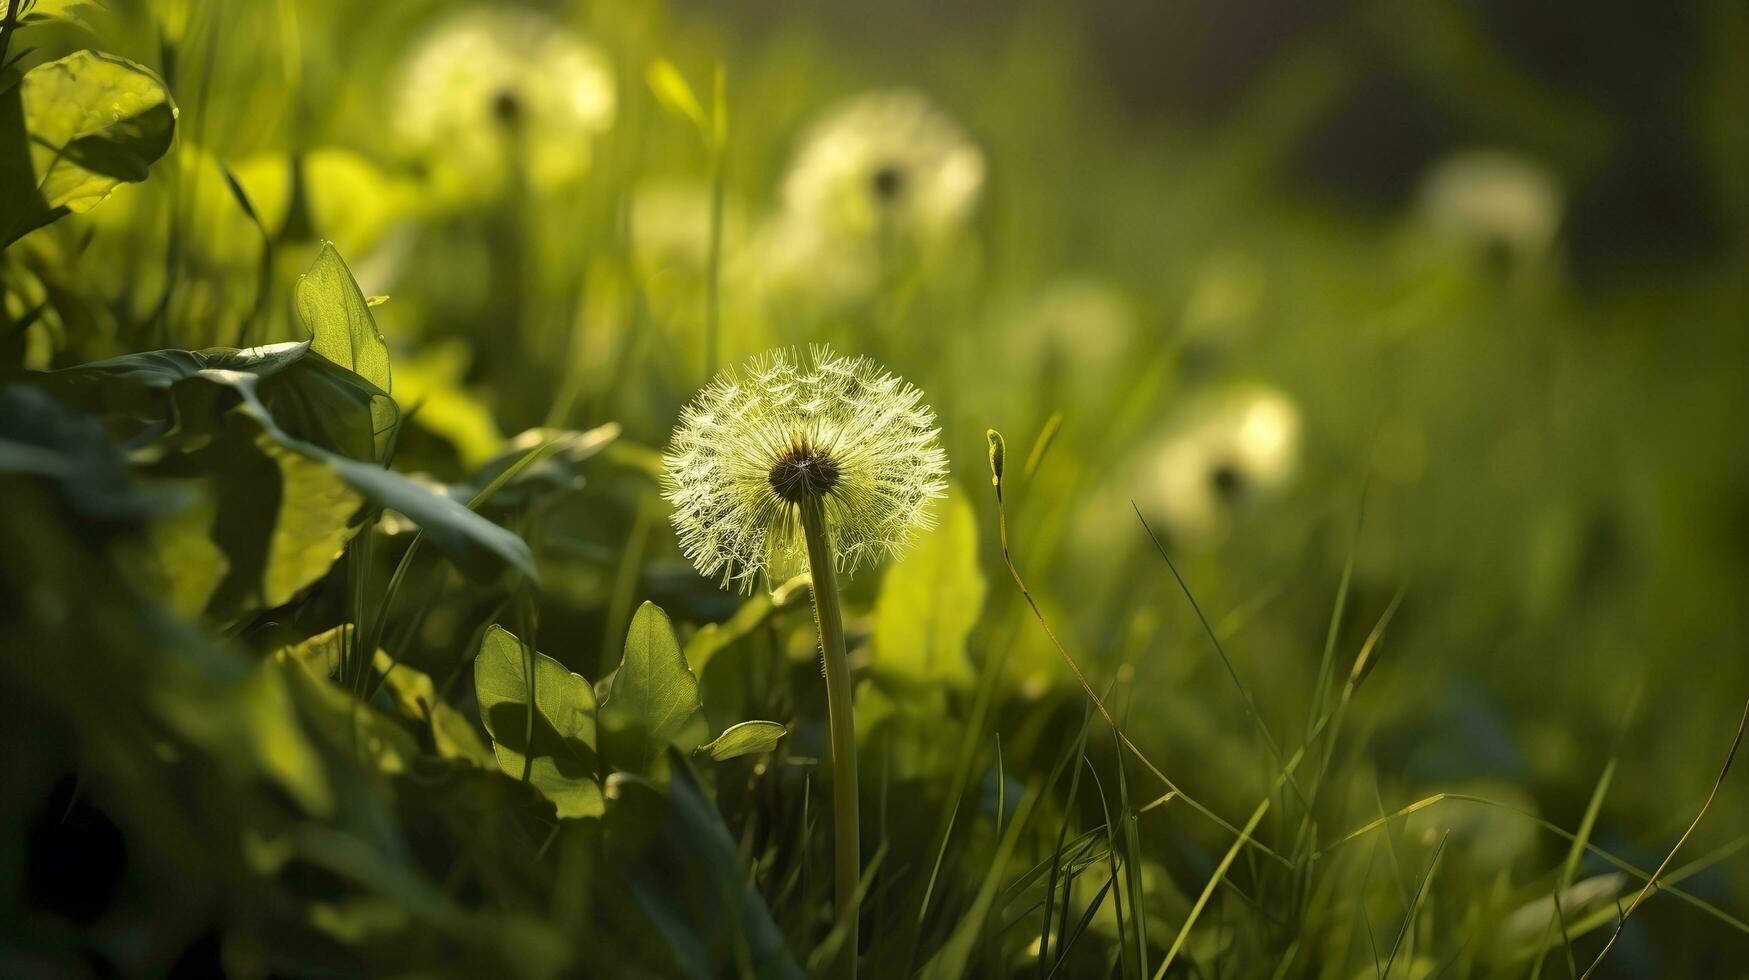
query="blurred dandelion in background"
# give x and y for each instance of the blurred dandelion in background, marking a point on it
(1493, 199)
(754, 443)
(1078, 326)
(886, 162)
(1228, 449)
(493, 95)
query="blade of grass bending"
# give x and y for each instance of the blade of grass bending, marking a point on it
(1047, 437)
(1327, 661)
(1132, 861)
(1618, 863)
(1209, 888)
(1566, 939)
(1111, 858)
(992, 670)
(1221, 651)
(827, 951)
(1081, 926)
(1652, 882)
(1044, 937)
(1570, 866)
(1415, 906)
(1081, 677)
(949, 963)
(479, 500)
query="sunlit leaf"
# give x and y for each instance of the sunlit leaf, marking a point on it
(452, 734)
(747, 738)
(312, 525)
(675, 93)
(930, 600)
(654, 700)
(71, 131)
(559, 759)
(341, 326)
(191, 564)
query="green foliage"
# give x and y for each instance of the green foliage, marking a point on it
(1438, 440)
(745, 738)
(930, 603)
(652, 702)
(72, 130)
(552, 746)
(342, 328)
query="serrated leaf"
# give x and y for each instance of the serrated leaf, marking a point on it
(559, 759)
(338, 317)
(930, 601)
(747, 738)
(653, 702)
(72, 130)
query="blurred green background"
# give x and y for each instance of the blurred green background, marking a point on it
(1433, 316)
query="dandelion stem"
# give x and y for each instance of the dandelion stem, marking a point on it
(847, 857)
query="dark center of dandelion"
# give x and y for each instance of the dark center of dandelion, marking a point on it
(801, 472)
(888, 181)
(1227, 481)
(507, 107)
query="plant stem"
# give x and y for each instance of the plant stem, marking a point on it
(846, 817)
(714, 263)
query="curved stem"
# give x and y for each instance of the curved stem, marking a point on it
(846, 818)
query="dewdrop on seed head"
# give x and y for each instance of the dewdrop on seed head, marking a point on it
(493, 88)
(756, 445)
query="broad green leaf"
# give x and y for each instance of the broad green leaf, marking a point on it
(930, 601)
(478, 546)
(452, 734)
(747, 738)
(190, 563)
(312, 526)
(341, 326)
(350, 728)
(332, 414)
(72, 130)
(653, 701)
(560, 759)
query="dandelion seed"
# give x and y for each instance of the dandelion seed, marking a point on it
(493, 89)
(755, 446)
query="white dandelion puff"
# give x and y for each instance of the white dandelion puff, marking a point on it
(1493, 197)
(756, 446)
(885, 162)
(1239, 445)
(502, 87)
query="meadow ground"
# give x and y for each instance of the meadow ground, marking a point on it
(657, 489)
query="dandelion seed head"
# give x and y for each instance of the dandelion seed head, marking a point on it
(886, 160)
(1493, 197)
(493, 88)
(1235, 446)
(756, 444)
